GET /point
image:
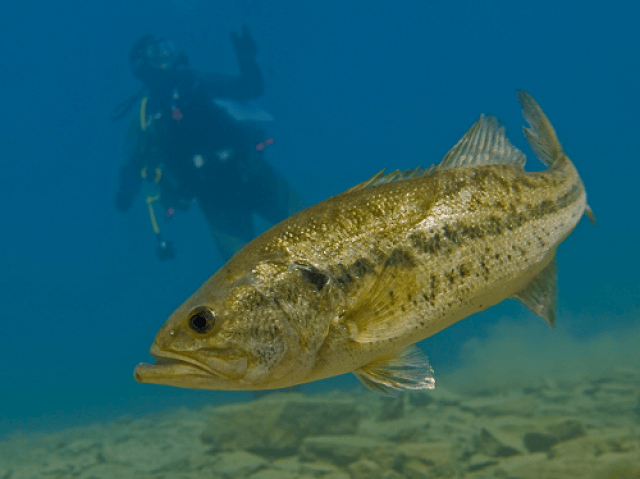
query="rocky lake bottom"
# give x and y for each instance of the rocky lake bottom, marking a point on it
(586, 428)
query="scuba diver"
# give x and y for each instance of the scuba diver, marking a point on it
(196, 139)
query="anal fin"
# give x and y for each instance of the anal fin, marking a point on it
(408, 371)
(589, 213)
(541, 293)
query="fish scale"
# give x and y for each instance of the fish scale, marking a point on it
(352, 283)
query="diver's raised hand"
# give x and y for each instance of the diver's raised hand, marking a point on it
(244, 45)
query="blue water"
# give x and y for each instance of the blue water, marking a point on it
(355, 87)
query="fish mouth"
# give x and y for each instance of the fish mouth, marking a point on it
(182, 371)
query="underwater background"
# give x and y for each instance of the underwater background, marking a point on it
(354, 87)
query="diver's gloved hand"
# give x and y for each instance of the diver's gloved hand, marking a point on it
(164, 249)
(245, 46)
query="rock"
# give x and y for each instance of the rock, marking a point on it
(616, 391)
(335, 475)
(391, 475)
(237, 464)
(82, 446)
(277, 423)
(521, 463)
(481, 462)
(539, 442)
(599, 443)
(288, 464)
(415, 469)
(431, 454)
(508, 430)
(365, 469)
(99, 472)
(406, 429)
(318, 469)
(619, 390)
(555, 396)
(342, 450)
(628, 468)
(554, 433)
(488, 445)
(509, 403)
(566, 430)
(621, 375)
(569, 465)
(391, 408)
(273, 474)
(151, 453)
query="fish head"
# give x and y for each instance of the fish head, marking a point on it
(229, 335)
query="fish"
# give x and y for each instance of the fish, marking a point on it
(351, 284)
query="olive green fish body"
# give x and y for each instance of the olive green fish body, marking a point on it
(350, 284)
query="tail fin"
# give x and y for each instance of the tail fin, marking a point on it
(542, 137)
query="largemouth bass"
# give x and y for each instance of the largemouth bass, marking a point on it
(352, 283)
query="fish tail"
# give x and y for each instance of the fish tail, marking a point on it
(542, 137)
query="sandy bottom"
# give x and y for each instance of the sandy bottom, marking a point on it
(589, 428)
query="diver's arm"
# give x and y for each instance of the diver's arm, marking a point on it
(250, 83)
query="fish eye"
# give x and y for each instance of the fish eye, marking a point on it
(202, 320)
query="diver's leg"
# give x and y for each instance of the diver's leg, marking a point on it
(231, 228)
(273, 198)
(227, 244)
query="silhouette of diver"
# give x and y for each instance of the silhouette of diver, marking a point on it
(193, 139)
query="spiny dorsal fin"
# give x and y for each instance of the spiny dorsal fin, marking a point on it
(541, 136)
(409, 370)
(396, 175)
(541, 293)
(484, 144)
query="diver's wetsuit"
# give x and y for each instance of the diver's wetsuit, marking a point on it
(208, 156)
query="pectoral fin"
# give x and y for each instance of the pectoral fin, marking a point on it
(541, 293)
(377, 314)
(409, 370)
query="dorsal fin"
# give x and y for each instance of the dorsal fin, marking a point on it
(396, 175)
(484, 144)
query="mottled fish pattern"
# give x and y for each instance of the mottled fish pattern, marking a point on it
(352, 283)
